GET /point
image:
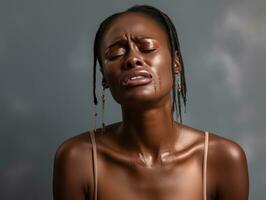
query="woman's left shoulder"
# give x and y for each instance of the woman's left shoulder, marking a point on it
(226, 150)
(219, 148)
(227, 168)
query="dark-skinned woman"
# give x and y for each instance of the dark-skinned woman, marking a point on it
(148, 155)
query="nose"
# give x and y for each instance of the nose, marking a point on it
(133, 60)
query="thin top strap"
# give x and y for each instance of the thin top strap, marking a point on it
(205, 159)
(94, 160)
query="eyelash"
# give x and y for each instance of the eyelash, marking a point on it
(114, 57)
(146, 51)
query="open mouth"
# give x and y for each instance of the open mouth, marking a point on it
(136, 78)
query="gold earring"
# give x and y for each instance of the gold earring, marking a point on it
(179, 82)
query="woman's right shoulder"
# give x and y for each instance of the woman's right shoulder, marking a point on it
(81, 144)
(75, 147)
(73, 163)
(75, 143)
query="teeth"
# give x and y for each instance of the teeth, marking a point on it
(136, 77)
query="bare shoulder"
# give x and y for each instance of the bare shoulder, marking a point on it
(75, 146)
(220, 148)
(225, 150)
(227, 165)
(79, 147)
(73, 167)
(75, 151)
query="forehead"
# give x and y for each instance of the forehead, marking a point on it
(133, 24)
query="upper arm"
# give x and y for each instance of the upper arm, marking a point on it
(232, 171)
(69, 179)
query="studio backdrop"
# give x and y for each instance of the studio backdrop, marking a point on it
(46, 65)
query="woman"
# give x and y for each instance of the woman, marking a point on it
(148, 155)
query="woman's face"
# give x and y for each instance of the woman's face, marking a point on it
(136, 60)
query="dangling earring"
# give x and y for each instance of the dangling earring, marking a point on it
(178, 82)
(178, 78)
(103, 104)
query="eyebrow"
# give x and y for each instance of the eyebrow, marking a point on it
(116, 42)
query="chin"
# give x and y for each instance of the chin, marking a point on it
(142, 100)
(141, 96)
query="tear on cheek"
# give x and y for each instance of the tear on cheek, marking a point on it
(159, 82)
(156, 84)
(154, 87)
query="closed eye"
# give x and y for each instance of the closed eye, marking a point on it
(147, 45)
(114, 57)
(116, 53)
(147, 50)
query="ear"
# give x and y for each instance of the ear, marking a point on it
(177, 65)
(104, 83)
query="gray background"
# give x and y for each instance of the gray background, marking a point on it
(46, 80)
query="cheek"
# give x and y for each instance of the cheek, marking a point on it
(110, 73)
(162, 69)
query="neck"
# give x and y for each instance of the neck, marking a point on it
(152, 132)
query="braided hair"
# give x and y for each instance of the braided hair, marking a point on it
(170, 29)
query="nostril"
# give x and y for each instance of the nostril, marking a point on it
(131, 63)
(138, 62)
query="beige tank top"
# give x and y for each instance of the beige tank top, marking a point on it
(95, 173)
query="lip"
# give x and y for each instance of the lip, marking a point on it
(127, 82)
